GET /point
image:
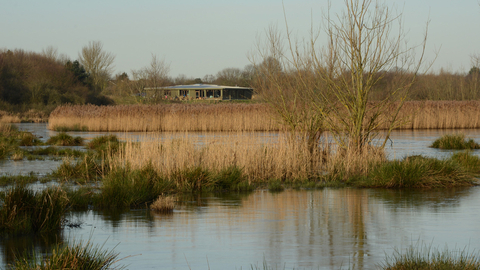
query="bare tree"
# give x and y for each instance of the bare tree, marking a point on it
(157, 74)
(50, 52)
(364, 43)
(98, 63)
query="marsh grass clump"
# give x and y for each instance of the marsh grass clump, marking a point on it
(428, 258)
(88, 167)
(163, 204)
(75, 256)
(468, 161)
(124, 187)
(102, 141)
(28, 139)
(275, 185)
(455, 141)
(193, 179)
(18, 179)
(63, 139)
(416, 172)
(74, 127)
(230, 179)
(24, 211)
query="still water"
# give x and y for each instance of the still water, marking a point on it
(321, 229)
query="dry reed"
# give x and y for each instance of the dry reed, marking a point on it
(163, 204)
(259, 162)
(242, 117)
(165, 117)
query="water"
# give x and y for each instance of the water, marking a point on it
(321, 229)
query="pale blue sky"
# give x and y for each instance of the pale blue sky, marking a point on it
(203, 37)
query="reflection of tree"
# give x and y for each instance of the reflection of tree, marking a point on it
(12, 247)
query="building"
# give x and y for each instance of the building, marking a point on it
(202, 91)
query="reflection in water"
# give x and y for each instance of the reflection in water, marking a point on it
(323, 229)
(12, 247)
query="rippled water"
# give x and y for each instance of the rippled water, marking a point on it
(321, 229)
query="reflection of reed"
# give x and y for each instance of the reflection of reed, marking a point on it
(327, 227)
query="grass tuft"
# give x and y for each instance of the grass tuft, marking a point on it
(417, 172)
(428, 258)
(75, 256)
(63, 139)
(455, 141)
(24, 211)
(163, 204)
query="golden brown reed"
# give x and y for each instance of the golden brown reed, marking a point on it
(163, 204)
(242, 117)
(6, 117)
(441, 114)
(165, 117)
(259, 162)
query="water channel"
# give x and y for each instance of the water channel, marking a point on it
(306, 229)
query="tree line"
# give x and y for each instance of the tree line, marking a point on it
(42, 81)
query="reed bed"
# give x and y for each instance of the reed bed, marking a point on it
(165, 117)
(258, 162)
(455, 141)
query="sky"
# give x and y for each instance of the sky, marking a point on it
(202, 37)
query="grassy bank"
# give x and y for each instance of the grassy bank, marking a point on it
(239, 117)
(136, 174)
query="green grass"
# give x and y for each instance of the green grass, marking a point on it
(416, 172)
(454, 141)
(18, 179)
(63, 139)
(75, 127)
(428, 258)
(24, 211)
(75, 256)
(131, 188)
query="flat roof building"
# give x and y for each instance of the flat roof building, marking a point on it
(203, 91)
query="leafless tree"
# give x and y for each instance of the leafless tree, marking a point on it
(364, 43)
(157, 74)
(98, 63)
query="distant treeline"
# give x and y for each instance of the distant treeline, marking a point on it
(30, 80)
(41, 82)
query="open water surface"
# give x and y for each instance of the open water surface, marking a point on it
(318, 229)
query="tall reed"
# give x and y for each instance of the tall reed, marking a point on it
(165, 117)
(242, 117)
(258, 162)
